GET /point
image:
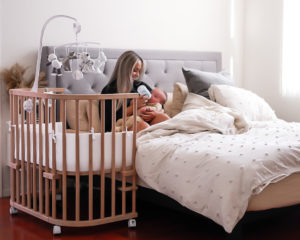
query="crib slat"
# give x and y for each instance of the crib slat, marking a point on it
(64, 178)
(102, 147)
(113, 160)
(16, 113)
(12, 147)
(53, 158)
(133, 155)
(90, 163)
(124, 156)
(77, 176)
(33, 117)
(22, 152)
(64, 157)
(42, 108)
(41, 201)
(47, 206)
(61, 111)
(28, 161)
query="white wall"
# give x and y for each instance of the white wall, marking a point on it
(169, 24)
(132, 24)
(262, 56)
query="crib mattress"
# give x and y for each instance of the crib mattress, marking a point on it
(71, 148)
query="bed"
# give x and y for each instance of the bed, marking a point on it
(171, 143)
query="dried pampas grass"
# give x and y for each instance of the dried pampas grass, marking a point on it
(14, 78)
(42, 81)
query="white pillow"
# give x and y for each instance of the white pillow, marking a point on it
(180, 92)
(194, 100)
(168, 104)
(252, 106)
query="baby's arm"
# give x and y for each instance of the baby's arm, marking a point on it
(151, 108)
(147, 109)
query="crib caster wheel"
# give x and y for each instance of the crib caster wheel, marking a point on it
(131, 223)
(13, 211)
(56, 230)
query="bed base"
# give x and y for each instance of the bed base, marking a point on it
(37, 188)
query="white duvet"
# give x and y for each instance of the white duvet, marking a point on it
(209, 159)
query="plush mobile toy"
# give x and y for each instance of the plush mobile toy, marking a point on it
(52, 59)
(100, 62)
(87, 64)
(66, 62)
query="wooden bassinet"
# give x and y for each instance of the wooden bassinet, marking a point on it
(45, 157)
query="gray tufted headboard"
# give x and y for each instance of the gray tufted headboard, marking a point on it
(162, 68)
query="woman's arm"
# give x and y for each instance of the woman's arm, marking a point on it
(154, 117)
(130, 109)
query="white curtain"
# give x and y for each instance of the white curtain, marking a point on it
(290, 83)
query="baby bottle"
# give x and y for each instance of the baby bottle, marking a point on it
(142, 90)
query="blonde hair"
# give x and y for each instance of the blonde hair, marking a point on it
(122, 73)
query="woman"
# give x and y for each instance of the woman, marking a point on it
(126, 79)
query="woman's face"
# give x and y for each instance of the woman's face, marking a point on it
(136, 71)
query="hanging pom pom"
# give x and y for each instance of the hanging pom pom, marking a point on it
(28, 105)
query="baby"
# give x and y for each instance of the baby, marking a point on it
(155, 103)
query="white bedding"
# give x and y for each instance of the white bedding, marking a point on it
(212, 166)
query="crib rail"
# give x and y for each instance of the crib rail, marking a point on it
(42, 183)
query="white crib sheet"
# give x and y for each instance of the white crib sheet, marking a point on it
(71, 148)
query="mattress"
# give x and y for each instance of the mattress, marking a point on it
(280, 194)
(71, 148)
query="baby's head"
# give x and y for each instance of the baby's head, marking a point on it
(158, 96)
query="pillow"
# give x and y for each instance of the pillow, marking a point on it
(83, 115)
(168, 104)
(199, 82)
(194, 100)
(180, 92)
(248, 103)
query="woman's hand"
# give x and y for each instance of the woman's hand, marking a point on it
(141, 101)
(148, 115)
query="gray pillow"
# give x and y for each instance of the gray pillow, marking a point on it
(198, 82)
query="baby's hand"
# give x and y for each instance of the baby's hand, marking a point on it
(146, 109)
